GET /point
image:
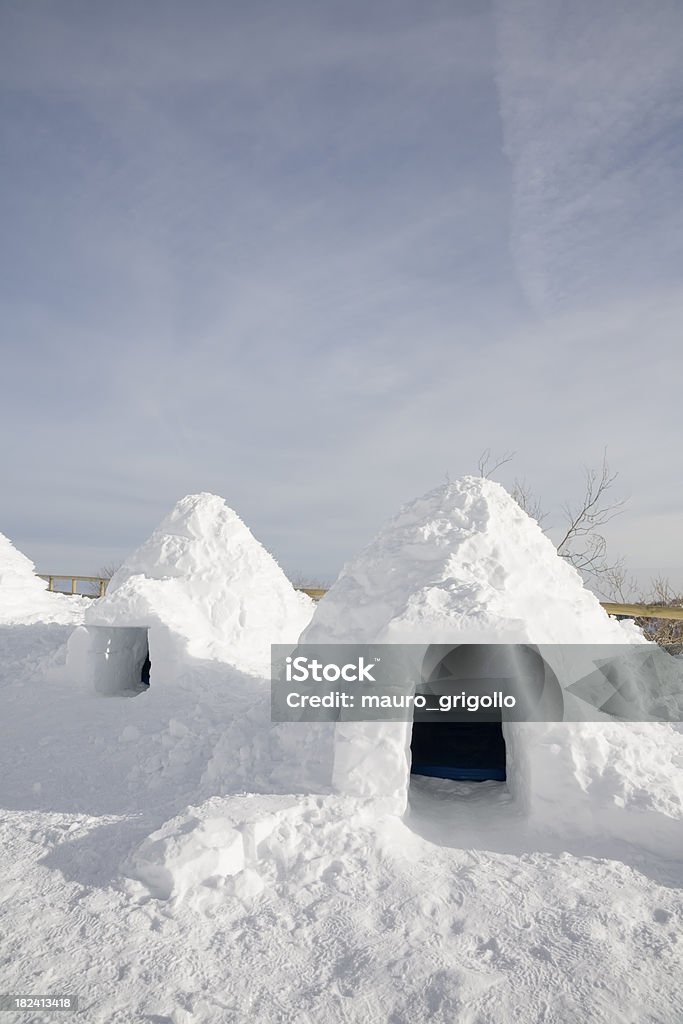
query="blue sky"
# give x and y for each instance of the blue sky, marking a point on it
(314, 257)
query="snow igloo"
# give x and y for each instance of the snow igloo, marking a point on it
(465, 565)
(200, 591)
(24, 598)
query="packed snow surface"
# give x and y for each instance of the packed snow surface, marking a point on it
(154, 865)
(24, 597)
(208, 590)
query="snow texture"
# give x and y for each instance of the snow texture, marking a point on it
(24, 597)
(206, 589)
(465, 564)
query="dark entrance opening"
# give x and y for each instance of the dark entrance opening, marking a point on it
(464, 747)
(464, 751)
(146, 669)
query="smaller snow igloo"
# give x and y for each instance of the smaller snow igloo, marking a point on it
(24, 598)
(465, 565)
(203, 589)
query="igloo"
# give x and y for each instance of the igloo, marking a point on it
(24, 598)
(463, 565)
(200, 589)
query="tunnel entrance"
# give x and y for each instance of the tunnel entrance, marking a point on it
(462, 751)
(471, 747)
(116, 659)
(146, 670)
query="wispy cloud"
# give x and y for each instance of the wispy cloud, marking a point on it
(294, 254)
(591, 101)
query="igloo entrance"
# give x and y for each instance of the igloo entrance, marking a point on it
(466, 750)
(119, 659)
(462, 751)
(114, 660)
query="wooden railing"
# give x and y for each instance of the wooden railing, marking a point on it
(634, 611)
(315, 592)
(74, 580)
(642, 611)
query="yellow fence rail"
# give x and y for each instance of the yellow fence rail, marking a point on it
(74, 581)
(642, 611)
(634, 611)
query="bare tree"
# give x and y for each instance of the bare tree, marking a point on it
(301, 580)
(583, 543)
(105, 572)
(618, 584)
(527, 500)
(488, 463)
(662, 592)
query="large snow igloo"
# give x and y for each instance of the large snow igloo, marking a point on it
(201, 589)
(464, 564)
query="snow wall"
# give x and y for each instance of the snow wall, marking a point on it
(24, 597)
(465, 564)
(204, 588)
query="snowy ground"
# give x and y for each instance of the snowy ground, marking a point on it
(252, 904)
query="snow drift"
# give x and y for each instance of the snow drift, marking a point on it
(206, 589)
(24, 598)
(465, 564)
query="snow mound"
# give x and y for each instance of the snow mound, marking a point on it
(235, 847)
(462, 563)
(207, 589)
(24, 598)
(465, 564)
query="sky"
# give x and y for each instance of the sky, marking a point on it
(316, 258)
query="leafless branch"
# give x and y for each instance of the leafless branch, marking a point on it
(583, 544)
(662, 592)
(105, 572)
(527, 500)
(303, 579)
(488, 463)
(618, 585)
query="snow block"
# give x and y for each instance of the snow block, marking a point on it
(214, 846)
(173, 861)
